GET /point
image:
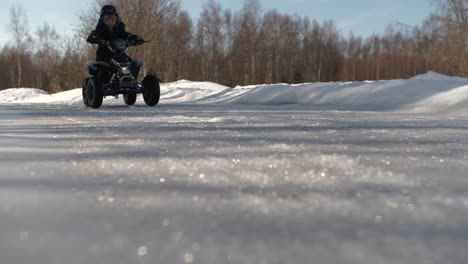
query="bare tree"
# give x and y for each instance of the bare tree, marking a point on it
(211, 37)
(454, 17)
(247, 38)
(48, 56)
(18, 27)
(270, 38)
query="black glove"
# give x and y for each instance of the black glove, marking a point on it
(135, 40)
(104, 42)
(93, 38)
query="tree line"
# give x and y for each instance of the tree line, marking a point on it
(248, 46)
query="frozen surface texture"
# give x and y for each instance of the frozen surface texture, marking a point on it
(212, 182)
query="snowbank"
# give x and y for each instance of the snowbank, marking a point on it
(15, 95)
(429, 93)
(32, 95)
(189, 92)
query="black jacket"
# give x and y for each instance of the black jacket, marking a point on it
(104, 33)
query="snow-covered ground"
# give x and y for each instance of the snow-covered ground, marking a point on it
(427, 93)
(368, 172)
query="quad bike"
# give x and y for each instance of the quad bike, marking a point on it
(123, 74)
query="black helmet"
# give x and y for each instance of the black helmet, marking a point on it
(109, 10)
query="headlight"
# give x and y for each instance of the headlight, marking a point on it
(125, 70)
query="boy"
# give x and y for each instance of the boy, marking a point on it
(109, 29)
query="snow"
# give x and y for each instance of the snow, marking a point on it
(20, 95)
(427, 93)
(255, 174)
(36, 96)
(186, 91)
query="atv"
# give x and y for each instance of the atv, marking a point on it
(120, 78)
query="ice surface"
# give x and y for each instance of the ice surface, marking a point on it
(221, 175)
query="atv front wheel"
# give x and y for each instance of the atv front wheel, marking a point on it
(94, 93)
(151, 90)
(130, 99)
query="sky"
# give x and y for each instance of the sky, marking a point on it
(363, 17)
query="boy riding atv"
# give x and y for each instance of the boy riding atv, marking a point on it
(114, 73)
(109, 29)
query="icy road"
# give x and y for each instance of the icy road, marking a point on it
(185, 183)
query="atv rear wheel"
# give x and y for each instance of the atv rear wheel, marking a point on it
(130, 99)
(83, 91)
(151, 90)
(94, 93)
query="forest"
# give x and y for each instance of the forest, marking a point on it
(241, 47)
